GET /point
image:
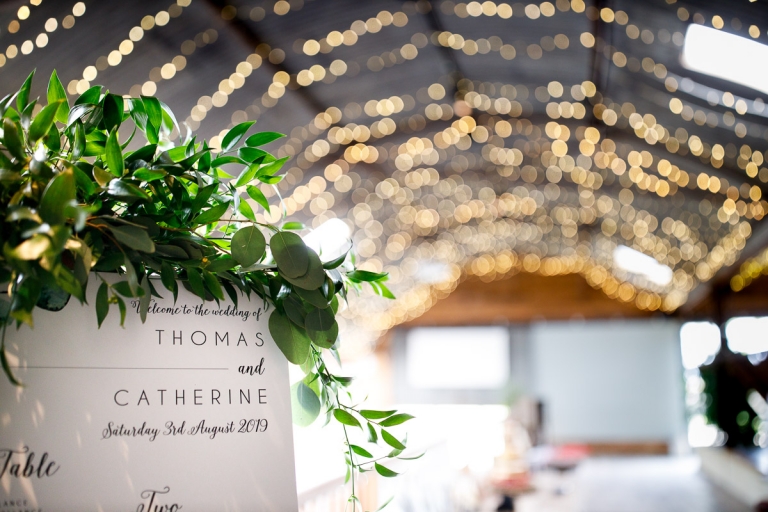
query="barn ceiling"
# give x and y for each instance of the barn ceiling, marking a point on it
(453, 138)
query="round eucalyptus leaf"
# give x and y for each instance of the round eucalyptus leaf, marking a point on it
(289, 338)
(335, 304)
(52, 298)
(290, 253)
(295, 310)
(324, 339)
(248, 245)
(314, 276)
(314, 297)
(305, 404)
(319, 320)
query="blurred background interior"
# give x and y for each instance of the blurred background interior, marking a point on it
(568, 197)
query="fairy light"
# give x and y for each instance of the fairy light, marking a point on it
(169, 70)
(22, 14)
(554, 216)
(740, 105)
(495, 44)
(41, 40)
(644, 299)
(126, 46)
(350, 36)
(749, 271)
(307, 77)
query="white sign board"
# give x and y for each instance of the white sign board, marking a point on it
(188, 411)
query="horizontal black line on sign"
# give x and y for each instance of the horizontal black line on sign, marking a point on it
(104, 368)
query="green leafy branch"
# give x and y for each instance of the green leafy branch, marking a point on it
(75, 201)
(321, 391)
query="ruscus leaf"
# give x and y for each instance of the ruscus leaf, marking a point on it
(392, 440)
(43, 121)
(114, 155)
(375, 415)
(346, 418)
(259, 139)
(57, 92)
(234, 135)
(397, 419)
(384, 471)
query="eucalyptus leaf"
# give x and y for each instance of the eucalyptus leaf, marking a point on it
(248, 245)
(290, 253)
(294, 311)
(314, 276)
(289, 338)
(305, 404)
(314, 297)
(319, 320)
(326, 338)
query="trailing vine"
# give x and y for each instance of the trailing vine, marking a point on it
(75, 201)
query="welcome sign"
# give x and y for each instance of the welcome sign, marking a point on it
(188, 411)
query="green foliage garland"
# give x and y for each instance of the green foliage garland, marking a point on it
(75, 201)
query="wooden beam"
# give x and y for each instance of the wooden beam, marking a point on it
(523, 298)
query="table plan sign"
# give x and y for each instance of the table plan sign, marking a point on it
(189, 410)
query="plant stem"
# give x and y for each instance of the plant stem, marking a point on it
(351, 462)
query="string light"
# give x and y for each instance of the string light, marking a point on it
(22, 14)
(41, 41)
(644, 299)
(169, 70)
(528, 197)
(749, 271)
(126, 46)
(306, 77)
